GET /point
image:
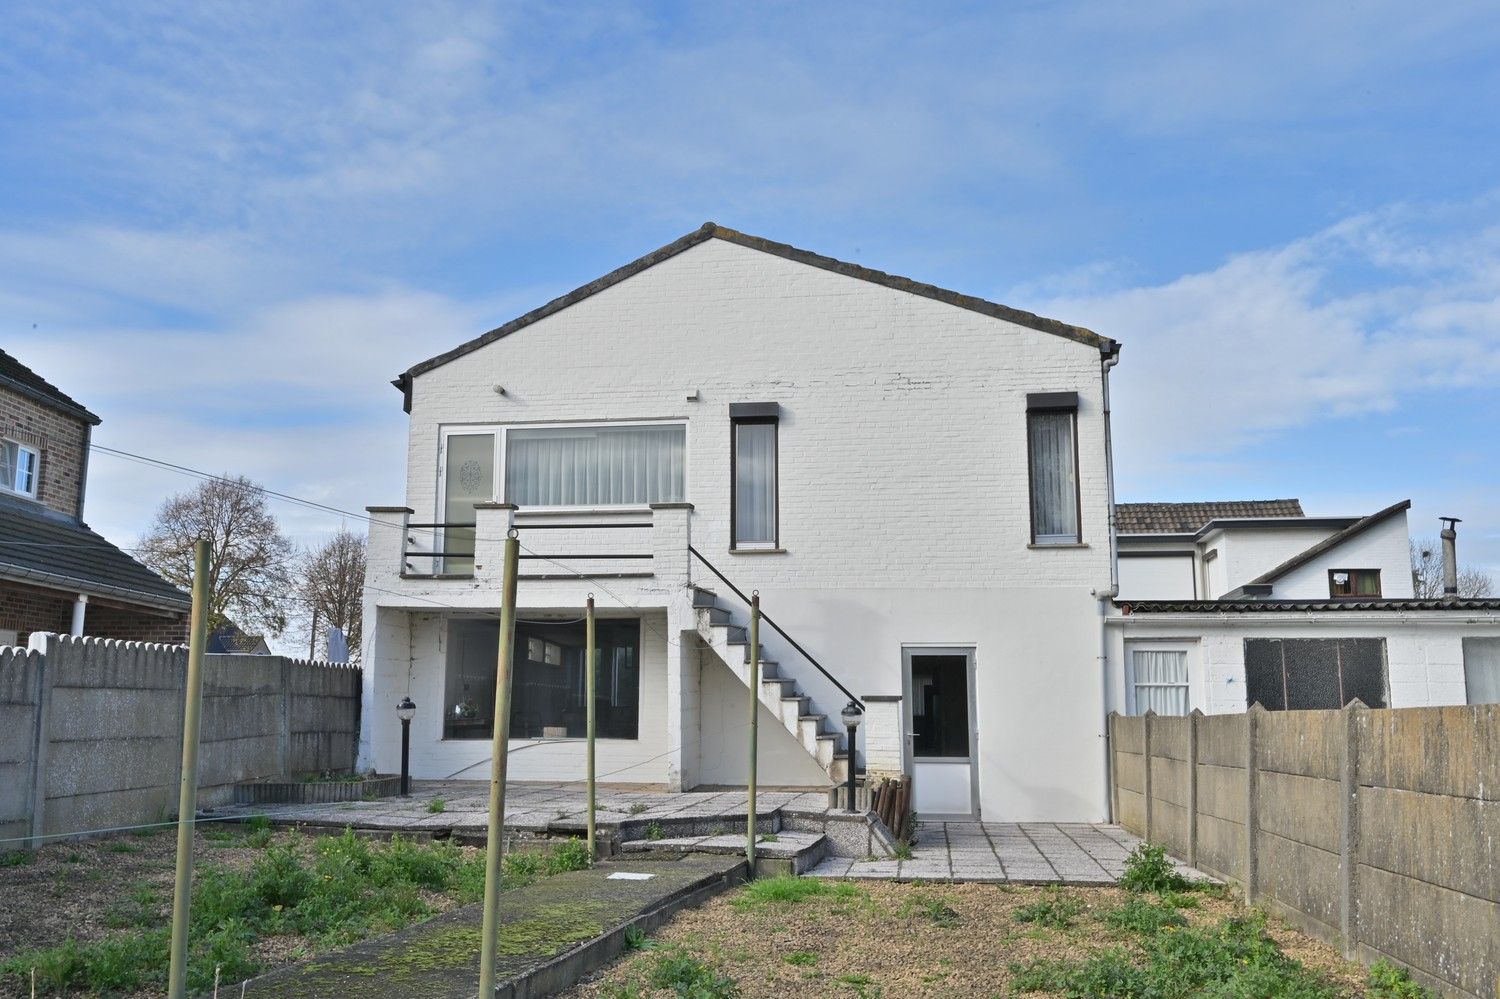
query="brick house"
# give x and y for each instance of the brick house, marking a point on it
(55, 573)
(915, 481)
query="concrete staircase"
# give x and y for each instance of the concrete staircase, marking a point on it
(781, 694)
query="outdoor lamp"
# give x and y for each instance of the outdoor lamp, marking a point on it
(852, 715)
(405, 710)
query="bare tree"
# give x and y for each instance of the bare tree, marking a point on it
(249, 560)
(331, 586)
(1427, 573)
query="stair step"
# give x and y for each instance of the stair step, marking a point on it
(816, 718)
(704, 598)
(785, 681)
(718, 615)
(736, 634)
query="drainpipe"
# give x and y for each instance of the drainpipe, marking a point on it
(1450, 557)
(1111, 358)
(80, 608)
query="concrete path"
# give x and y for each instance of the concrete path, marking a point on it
(1025, 853)
(529, 808)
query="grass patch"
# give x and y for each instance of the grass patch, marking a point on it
(121, 846)
(688, 977)
(801, 958)
(1387, 981)
(903, 850)
(638, 939)
(15, 858)
(934, 908)
(654, 831)
(1056, 911)
(437, 806)
(330, 892)
(1231, 959)
(259, 834)
(786, 889)
(1141, 916)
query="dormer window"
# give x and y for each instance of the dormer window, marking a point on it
(18, 468)
(1354, 582)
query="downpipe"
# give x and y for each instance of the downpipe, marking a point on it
(1107, 595)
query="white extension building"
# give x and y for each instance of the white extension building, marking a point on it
(917, 484)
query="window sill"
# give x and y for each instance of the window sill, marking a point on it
(757, 551)
(1070, 544)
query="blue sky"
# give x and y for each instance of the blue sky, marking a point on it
(226, 226)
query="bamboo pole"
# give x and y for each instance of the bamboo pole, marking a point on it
(187, 794)
(590, 660)
(754, 728)
(489, 939)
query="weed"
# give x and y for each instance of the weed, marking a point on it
(654, 831)
(638, 939)
(768, 838)
(638, 807)
(860, 985)
(569, 855)
(1232, 958)
(73, 858)
(15, 858)
(903, 850)
(1149, 869)
(259, 836)
(120, 846)
(1055, 911)
(1140, 916)
(932, 907)
(1390, 982)
(437, 806)
(689, 978)
(801, 958)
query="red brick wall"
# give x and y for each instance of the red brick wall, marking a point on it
(61, 440)
(26, 609)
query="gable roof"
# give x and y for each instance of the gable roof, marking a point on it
(17, 376)
(1187, 518)
(52, 550)
(710, 230)
(1331, 542)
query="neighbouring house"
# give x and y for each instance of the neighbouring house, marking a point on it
(1223, 605)
(915, 482)
(229, 639)
(918, 486)
(55, 573)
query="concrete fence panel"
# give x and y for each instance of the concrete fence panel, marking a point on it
(1377, 830)
(91, 730)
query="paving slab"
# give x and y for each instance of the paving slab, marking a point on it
(552, 933)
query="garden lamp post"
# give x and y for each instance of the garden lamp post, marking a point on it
(404, 711)
(852, 715)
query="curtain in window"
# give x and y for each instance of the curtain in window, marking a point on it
(1482, 670)
(8, 455)
(468, 478)
(595, 466)
(754, 483)
(1160, 681)
(1054, 490)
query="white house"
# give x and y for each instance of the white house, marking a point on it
(916, 482)
(1223, 605)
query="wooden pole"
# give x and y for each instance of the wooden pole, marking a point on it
(590, 660)
(187, 794)
(754, 728)
(489, 939)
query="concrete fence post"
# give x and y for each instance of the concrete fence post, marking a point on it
(1146, 720)
(1349, 828)
(1192, 803)
(41, 736)
(1114, 765)
(284, 722)
(1252, 807)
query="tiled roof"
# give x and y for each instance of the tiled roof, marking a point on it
(710, 230)
(51, 549)
(21, 378)
(1185, 518)
(1464, 605)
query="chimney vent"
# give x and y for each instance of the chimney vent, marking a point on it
(1450, 557)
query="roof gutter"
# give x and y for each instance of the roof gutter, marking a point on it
(71, 584)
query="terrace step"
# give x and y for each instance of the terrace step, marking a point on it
(793, 852)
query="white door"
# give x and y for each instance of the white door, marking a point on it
(940, 731)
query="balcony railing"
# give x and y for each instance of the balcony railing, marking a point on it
(570, 548)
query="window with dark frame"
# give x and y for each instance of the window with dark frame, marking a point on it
(1052, 456)
(1354, 582)
(753, 462)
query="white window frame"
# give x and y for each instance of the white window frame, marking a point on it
(497, 488)
(36, 470)
(1195, 679)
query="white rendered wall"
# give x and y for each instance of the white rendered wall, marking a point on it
(1424, 651)
(1386, 547)
(1169, 577)
(1246, 553)
(903, 481)
(724, 736)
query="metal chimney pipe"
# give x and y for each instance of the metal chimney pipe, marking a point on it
(1450, 557)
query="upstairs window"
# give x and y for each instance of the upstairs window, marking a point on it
(18, 468)
(1354, 582)
(1052, 446)
(753, 464)
(624, 465)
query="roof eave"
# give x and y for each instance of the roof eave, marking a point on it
(50, 401)
(92, 588)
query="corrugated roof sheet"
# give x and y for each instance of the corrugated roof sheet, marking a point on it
(52, 549)
(1272, 606)
(22, 378)
(1185, 518)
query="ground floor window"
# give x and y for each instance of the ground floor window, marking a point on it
(548, 684)
(1482, 670)
(1305, 674)
(1159, 679)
